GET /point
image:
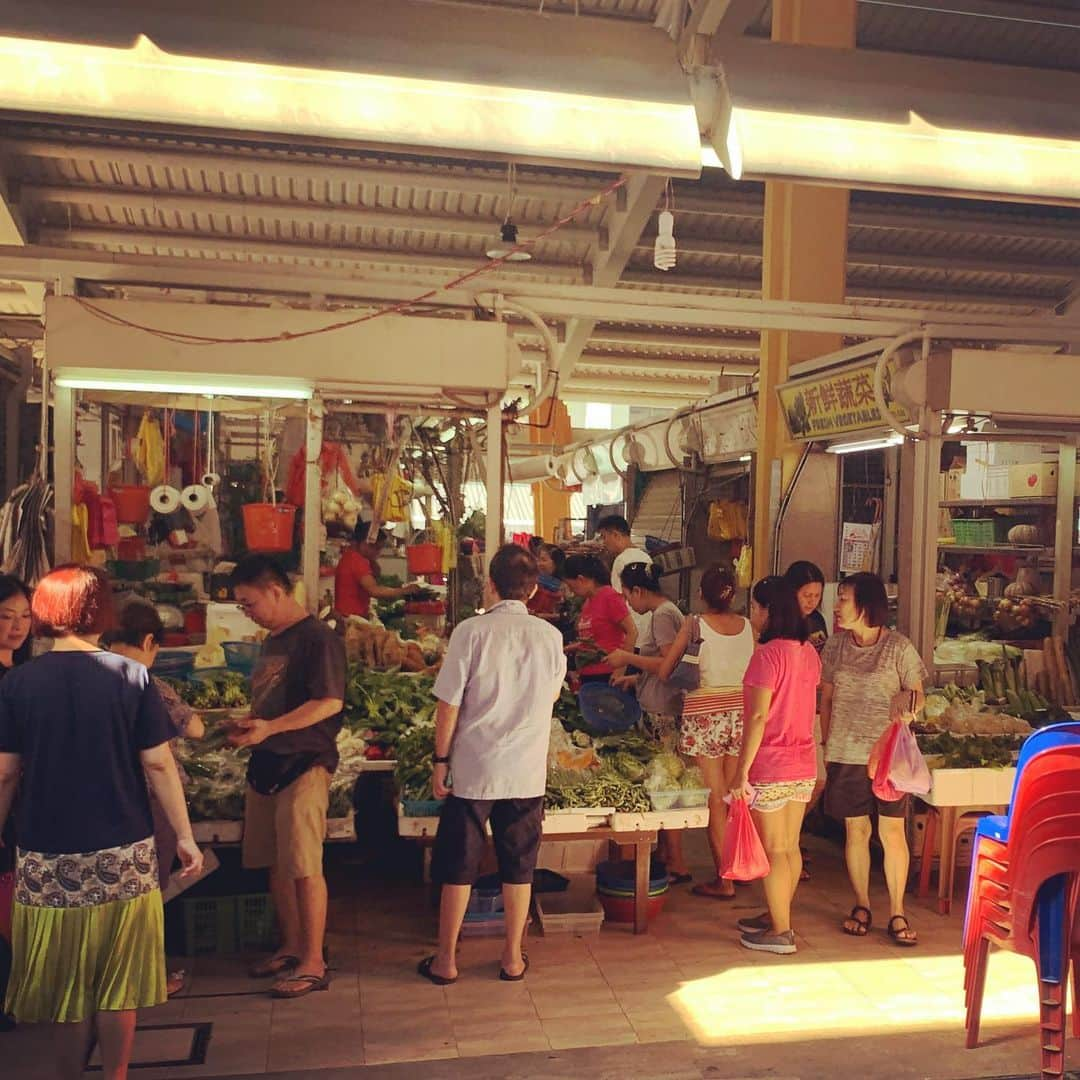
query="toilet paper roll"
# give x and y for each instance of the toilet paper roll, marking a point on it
(164, 499)
(195, 498)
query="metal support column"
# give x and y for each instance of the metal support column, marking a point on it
(493, 535)
(63, 457)
(918, 543)
(312, 501)
(1064, 534)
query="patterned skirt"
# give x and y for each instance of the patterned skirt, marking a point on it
(87, 934)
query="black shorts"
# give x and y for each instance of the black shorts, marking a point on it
(849, 793)
(516, 825)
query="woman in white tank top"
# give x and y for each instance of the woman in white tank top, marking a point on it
(710, 729)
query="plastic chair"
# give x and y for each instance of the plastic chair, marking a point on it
(1024, 897)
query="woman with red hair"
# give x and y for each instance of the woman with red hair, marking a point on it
(85, 729)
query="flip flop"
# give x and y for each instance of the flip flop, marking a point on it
(680, 879)
(710, 890)
(276, 965)
(863, 927)
(894, 933)
(424, 969)
(172, 977)
(308, 985)
(505, 975)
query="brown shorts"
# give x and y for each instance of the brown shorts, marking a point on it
(286, 831)
(849, 793)
(516, 827)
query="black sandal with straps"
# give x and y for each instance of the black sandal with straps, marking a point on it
(861, 928)
(896, 932)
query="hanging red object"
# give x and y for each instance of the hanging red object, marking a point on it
(332, 460)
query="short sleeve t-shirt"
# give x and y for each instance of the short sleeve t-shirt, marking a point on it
(599, 623)
(622, 561)
(502, 670)
(662, 627)
(791, 670)
(304, 663)
(78, 721)
(819, 630)
(864, 682)
(350, 597)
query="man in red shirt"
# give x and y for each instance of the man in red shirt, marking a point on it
(356, 578)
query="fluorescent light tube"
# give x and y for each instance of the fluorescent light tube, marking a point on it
(914, 153)
(865, 444)
(147, 84)
(163, 382)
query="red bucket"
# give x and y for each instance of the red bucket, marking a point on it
(268, 527)
(424, 559)
(132, 503)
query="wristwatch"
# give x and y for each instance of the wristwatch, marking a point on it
(437, 760)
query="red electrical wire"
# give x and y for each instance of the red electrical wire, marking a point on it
(181, 338)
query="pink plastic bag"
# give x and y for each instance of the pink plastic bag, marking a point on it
(743, 857)
(908, 772)
(880, 764)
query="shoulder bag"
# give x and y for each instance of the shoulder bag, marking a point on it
(687, 673)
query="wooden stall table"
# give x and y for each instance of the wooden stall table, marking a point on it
(603, 823)
(953, 793)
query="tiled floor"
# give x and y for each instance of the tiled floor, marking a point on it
(865, 1006)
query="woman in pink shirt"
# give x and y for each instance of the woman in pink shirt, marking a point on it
(777, 767)
(605, 623)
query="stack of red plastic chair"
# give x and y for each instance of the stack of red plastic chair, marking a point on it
(1025, 886)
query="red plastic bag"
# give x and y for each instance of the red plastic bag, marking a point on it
(880, 764)
(743, 857)
(908, 772)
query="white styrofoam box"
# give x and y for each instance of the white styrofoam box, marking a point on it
(971, 787)
(997, 481)
(235, 624)
(1008, 453)
(973, 480)
(572, 856)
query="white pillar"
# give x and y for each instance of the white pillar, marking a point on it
(493, 536)
(918, 543)
(63, 440)
(312, 501)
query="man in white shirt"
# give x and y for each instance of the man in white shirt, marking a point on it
(501, 675)
(615, 536)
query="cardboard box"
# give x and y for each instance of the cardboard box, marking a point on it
(1036, 479)
(949, 485)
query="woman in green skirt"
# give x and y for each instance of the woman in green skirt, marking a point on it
(85, 729)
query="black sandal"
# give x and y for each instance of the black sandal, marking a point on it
(895, 933)
(424, 969)
(863, 928)
(505, 975)
(275, 965)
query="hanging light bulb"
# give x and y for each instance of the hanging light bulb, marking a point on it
(503, 247)
(664, 251)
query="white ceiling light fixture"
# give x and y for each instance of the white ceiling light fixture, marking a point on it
(169, 383)
(506, 245)
(866, 444)
(877, 120)
(656, 130)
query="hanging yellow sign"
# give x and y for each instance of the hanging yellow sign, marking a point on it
(836, 404)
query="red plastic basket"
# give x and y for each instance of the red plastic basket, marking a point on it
(132, 503)
(268, 527)
(424, 558)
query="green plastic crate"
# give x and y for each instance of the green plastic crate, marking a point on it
(254, 922)
(974, 532)
(210, 925)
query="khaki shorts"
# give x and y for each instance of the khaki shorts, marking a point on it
(286, 831)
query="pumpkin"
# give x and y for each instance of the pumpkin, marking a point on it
(1018, 589)
(1024, 534)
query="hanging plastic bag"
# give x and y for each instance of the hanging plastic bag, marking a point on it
(880, 764)
(743, 858)
(744, 568)
(908, 771)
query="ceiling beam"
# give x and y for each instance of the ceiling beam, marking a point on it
(243, 250)
(625, 219)
(167, 210)
(118, 164)
(674, 366)
(21, 328)
(709, 283)
(999, 10)
(684, 309)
